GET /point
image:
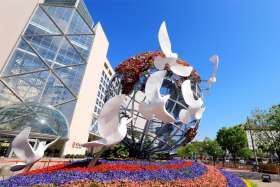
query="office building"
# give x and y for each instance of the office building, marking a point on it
(53, 54)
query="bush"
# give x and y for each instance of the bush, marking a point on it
(74, 156)
(118, 151)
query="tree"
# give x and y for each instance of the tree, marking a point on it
(181, 152)
(274, 122)
(213, 149)
(233, 140)
(192, 150)
(245, 153)
(267, 129)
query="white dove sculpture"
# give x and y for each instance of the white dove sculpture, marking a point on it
(111, 129)
(24, 151)
(154, 105)
(195, 106)
(170, 57)
(215, 61)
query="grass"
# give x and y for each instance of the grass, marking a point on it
(249, 183)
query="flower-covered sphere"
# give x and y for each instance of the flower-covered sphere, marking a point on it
(145, 136)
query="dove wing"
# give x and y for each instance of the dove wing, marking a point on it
(180, 69)
(184, 115)
(109, 116)
(21, 146)
(164, 41)
(153, 85)
(188, 95)
(95, 143)
(215, 61)
(162, 113)
(51, 143)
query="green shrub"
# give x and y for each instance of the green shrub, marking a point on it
(116, 152)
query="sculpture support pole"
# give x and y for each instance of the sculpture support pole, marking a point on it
(96, 157)
(27, 168)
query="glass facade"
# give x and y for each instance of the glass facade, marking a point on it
(49, 60)
(45, 121)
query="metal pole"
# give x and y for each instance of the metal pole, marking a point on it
(96, 157)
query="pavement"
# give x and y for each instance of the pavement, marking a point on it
(253, 175)
(266, 184)
(6, 163)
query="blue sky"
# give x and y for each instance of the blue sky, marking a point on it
(245, 35)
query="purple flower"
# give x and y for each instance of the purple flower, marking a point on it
(62, 177)
(233, 180)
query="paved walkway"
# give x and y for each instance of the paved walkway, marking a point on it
(254, 175)
(265, 184)
(6, 163)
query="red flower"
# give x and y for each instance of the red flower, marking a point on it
(107, 167)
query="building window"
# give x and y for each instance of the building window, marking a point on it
(55, 37)
(106, 66)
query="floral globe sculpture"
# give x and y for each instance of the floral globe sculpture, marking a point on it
(147, 136)
(165, 100)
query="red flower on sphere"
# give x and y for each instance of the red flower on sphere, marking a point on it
(132, 68)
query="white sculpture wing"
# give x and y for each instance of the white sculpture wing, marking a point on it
(188, 95)
(95, 143)
(215, 61)
(161, 112)
(198, 113)
(153, 85)
(160, 62)
(180, 69)
(164, 41)
(184, 115)
(155, 103)
(146, 110)
(195, 107)
(112, 139)
(156, 109)
(21, 146)
(51, 143)
(108, 119)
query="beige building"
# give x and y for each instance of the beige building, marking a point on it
(52, 53)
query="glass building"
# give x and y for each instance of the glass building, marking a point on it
(48, 63)
(46, 123)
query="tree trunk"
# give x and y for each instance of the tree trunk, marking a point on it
(234, 160)
(214, 160)
(278, 155)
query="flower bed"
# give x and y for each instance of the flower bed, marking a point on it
(125, 173)
(233, 180)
